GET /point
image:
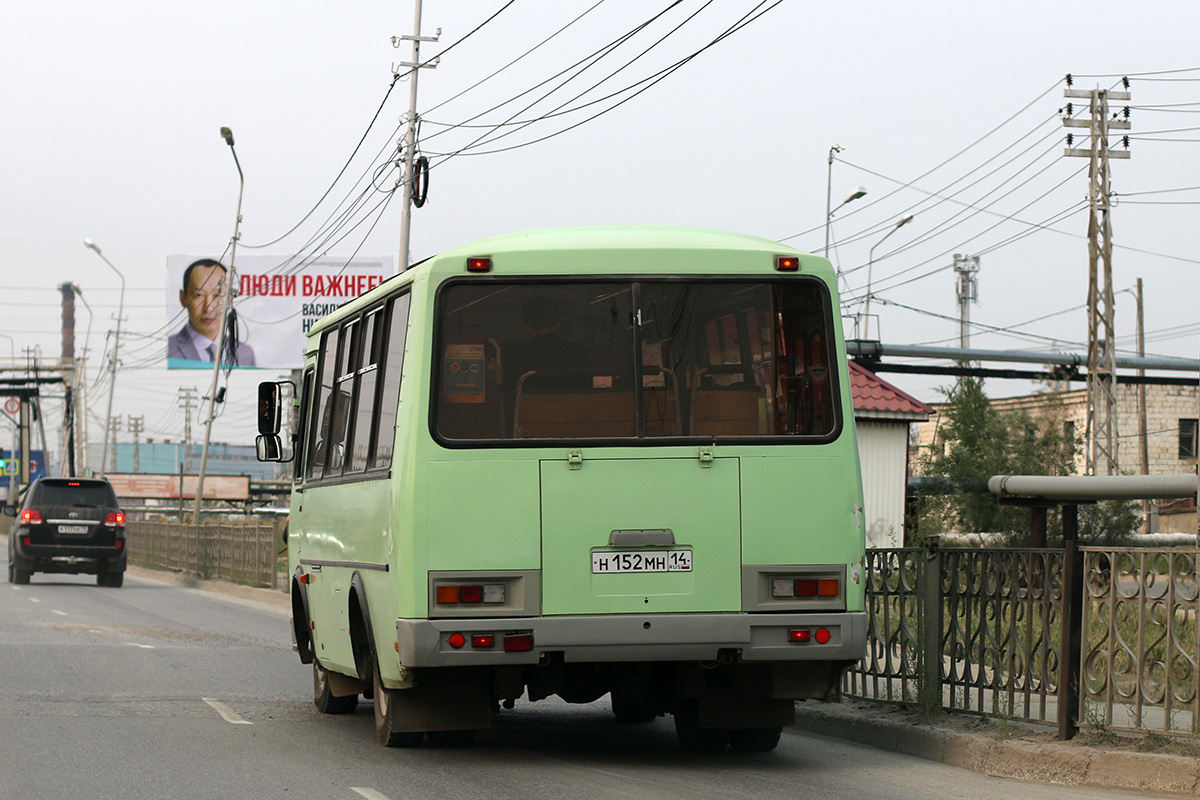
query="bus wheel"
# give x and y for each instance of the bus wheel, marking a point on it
(386, 713)
(755, 740)
(692, 737)
(451, 738)
(324, 699)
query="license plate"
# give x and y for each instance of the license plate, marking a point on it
(647, 561)
(72, 528)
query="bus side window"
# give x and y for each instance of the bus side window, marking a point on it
(321, 409)
(389, 392)
(306, 404)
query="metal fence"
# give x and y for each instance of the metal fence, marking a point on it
(1141, 626)
(241, 552)
(982, 631)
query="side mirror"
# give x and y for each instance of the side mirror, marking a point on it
(269, 408)
(9, 510)
(269, 447)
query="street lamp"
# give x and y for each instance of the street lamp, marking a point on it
(871, 260)
(112, 364)
(857, 193)
(227, 135)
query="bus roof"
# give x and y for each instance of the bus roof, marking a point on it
(592, 239)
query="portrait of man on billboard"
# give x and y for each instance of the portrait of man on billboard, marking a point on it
(203, 295)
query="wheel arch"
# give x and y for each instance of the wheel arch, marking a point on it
(301, 618)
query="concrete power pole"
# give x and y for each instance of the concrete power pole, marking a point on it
(410, 134)
(115, 424)
(187, 401)
(135, 428)
(965, 268)
(1102, 438)
(67, 455)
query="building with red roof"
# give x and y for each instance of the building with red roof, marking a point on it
(883, 415)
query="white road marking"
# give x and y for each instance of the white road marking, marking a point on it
(226, 712)
(135, 644)
(60, 613)
(34, 600)
(370, 794)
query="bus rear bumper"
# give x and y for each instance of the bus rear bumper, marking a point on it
(835, 636)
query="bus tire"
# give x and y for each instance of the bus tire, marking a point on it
(692, 737)
(755, 740)
(324, 698)
(386, 717)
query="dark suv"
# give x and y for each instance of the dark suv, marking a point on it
(68, 525)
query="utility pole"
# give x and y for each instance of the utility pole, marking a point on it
(1102, 438)
(67, 456)
(965, 268)
(135, 428)
(187, 401)
(1143, 444)
(410, 133)
(115, 424)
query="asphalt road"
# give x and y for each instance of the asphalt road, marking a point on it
(160, 691)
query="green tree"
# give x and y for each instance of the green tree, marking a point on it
(980, 441)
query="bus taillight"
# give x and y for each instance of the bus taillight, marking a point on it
(469, 593)
(805, 587)
(518, 642)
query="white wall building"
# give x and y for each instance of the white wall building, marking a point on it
(883, 415)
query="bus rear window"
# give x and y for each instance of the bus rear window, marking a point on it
(575, 360)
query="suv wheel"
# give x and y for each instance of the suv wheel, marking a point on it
(18, 575)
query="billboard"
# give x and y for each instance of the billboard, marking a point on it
(276, 302)
(175, 487)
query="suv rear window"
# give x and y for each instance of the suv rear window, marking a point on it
(60, 492)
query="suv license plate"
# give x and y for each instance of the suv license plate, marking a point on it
(72, 528)
(648, 561)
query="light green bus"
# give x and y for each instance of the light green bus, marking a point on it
(579, 462)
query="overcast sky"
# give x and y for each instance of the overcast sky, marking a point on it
(946, 110)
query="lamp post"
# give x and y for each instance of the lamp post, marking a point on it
(112, 364)
(227, 135)
(871, 260)
(857, 193)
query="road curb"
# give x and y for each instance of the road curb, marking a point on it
(1003, 752)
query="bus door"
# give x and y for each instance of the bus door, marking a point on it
(640, 535)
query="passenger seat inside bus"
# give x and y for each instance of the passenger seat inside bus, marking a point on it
(725, 401)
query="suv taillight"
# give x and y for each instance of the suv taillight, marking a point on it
(114, 519)
(30, 517)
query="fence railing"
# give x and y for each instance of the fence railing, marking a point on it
(1141, 626)
(981, 631)
(241, 552)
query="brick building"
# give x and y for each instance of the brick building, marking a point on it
(1171, 437)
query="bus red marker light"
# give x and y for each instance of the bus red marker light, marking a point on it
(470, 594)
(787, 263)
(303, 578)
(479, 264)
(822, 636)
(456, 640)
(518, 642)
(806, 587)
(799, 635)
(483, 640)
